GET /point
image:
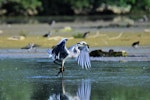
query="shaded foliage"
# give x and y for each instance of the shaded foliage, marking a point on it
(20, 7)
(56, 7)
(65, 7)
(13, 8)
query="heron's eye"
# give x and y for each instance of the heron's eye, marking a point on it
(84, 43)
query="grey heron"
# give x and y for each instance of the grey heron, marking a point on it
(80, 51)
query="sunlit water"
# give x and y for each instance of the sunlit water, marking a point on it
(34, 79)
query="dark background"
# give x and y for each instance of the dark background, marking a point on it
(72, 7)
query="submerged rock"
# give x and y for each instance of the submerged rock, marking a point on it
(110, 53)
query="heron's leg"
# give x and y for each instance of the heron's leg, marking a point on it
(60, 71)
(57, 62)
(62, 67)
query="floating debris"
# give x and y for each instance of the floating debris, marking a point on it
(66, 29)
(16, 38)
(147, 30)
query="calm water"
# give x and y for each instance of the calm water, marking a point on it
(34, 79)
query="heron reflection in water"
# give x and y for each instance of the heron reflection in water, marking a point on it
(61, 53)
(83, 92)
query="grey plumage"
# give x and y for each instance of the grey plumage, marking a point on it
(80, 51)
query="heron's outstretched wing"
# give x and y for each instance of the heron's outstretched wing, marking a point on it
(84, 58)
(60, 51)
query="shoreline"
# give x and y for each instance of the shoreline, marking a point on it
(138, 54)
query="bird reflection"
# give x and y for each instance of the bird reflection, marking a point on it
(83, 92)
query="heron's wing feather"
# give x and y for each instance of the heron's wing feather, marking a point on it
(55, 52)
(84, 58)
(60, 52)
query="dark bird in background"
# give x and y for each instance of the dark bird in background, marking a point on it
(60, 53)
(31, 46)
(135, 44)
(85, 34)
(143, 19)
(47, 35)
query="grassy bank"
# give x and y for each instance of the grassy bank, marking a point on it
(94, 40)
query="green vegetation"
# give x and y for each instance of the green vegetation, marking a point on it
(69, 7)
(78, 35)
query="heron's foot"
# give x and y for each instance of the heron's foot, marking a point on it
(61, 70)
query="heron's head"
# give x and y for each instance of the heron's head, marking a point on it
(64, 40)
(82, 43)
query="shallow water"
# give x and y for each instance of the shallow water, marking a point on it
(34, 79)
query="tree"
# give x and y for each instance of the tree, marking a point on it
(20, 7)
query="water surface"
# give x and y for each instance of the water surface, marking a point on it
(34, 79)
